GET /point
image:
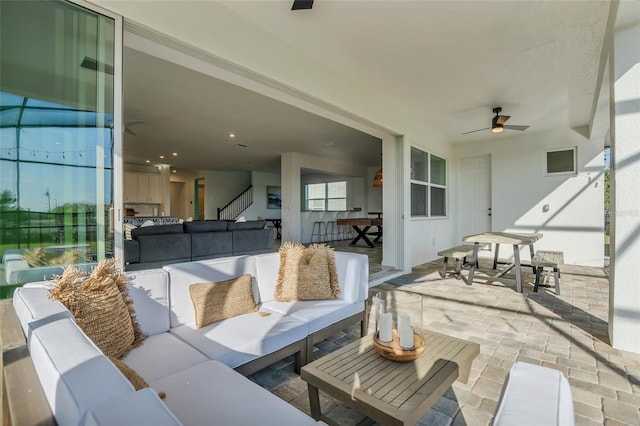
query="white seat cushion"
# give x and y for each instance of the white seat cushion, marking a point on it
(318, 314)
(161, 355)
(143, 407)
(534, 395)
(238, 340)
(212, 393)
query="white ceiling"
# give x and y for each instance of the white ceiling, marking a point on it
(450, 62)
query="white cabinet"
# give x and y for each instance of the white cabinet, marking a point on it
(142, 188)
(130, 187)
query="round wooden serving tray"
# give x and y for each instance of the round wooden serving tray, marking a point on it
(393, 351)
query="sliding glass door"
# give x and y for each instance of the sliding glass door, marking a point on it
(57, 141)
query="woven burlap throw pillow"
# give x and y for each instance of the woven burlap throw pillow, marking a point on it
(306, 273)
(221, 300)
(101, 306)
(132, 375)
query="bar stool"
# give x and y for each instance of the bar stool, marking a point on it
(334, 232)
(319, 231)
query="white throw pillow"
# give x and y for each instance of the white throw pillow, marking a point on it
(241, 219)
(128, 227)
(146, 223)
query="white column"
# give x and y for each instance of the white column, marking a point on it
(624, 300)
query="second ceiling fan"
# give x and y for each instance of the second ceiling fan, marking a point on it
(497, 123)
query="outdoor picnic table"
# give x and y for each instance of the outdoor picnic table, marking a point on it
(497, 238)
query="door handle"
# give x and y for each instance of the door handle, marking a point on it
(489, 214)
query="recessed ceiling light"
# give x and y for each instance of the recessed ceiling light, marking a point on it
(162, 156)
(175, 171)
(240, 145)
(175, 154)
(148, 161)
(232, 135)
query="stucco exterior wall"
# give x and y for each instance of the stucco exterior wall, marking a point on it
(567, 209)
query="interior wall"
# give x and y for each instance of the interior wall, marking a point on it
(260, 181)
(525, 200)
(221, 187)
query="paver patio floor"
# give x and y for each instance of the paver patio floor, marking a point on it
(566, 332)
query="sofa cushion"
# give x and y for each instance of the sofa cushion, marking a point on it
(18, 272)
(205, 226)
(101, 307)
(143, 407)
(149, 290)
(318, 314)
(221, 300)
(306, 273)
(243, 226)
(161, 355)
(222, 396)
(252, 240)
(166, 247)
(33, 303)
(238, 340)
(175, 228)
(131, 251)
(130, 374)
(182, 275)
(534, 395)
(74, 374)
(205, 245)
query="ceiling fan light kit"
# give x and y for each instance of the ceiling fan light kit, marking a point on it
(302, 4)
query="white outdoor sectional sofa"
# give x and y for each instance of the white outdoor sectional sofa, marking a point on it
(194, 367)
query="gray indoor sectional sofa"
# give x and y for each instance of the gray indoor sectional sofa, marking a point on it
(156, 246)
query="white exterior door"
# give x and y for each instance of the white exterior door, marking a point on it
(475, 195)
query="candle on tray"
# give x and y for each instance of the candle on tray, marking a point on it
(405, 331)
(384, 333)
(406, 338)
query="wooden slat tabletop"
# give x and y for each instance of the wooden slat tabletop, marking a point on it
(387, 391)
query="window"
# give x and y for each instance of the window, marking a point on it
(326, 196)
(561, 161)
(428, 184)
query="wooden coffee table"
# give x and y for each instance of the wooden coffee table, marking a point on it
(389, 392)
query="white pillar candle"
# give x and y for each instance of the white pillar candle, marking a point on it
(403, 322)
(384, 333)
(406, 337)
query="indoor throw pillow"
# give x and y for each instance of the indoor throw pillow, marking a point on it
(101, 306)
(306, 273)
(221, 300)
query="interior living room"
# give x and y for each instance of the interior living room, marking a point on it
(474, 130)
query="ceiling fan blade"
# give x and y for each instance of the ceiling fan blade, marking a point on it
(502, 118)
(520, 128)
(479, 130)
(128, 130)
(133, 122)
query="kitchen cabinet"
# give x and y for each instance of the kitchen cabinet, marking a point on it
(142, 188)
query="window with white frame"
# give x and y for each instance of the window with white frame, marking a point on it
(561, 161)
(326, 196)
(428, 184)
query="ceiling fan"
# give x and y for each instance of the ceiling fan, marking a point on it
(131, 123)
(497, 123)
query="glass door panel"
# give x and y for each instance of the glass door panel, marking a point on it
(56, 134)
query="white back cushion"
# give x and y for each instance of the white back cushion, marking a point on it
(149, 290)
(352, 268)
(32, 303)
(74, 374)
(182, 275)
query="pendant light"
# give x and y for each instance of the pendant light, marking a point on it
(377, 178)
